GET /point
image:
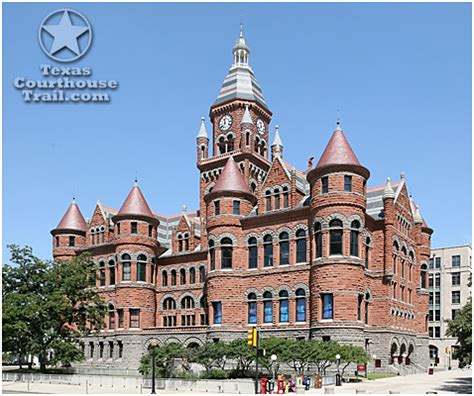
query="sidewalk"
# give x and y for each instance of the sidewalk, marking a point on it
(454, 381)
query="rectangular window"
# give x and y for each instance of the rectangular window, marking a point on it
(134, 318)
(438, 262)
(134, 226)
(120, 318)
(57, 241)
(252, 312)
(437, 333)
(328, 308)
(326, 338)
(430, 281)
(453, 313)
(101, 350)
(456, 297)
(102, 277)
(91, 349)
(456, 278)
(437, 315)
(111, 349)
(236, 207)
(217, 307)
(430, 332)
(348, 183)
(150, 231)
(360, 299)
(456, 261)
(72, 241)
(268, 311)
(431, 263)
(437, 298)
(120, 349)
(437, 280)
(284, 314)
(430, 315)
(324, 184)
(118, 229)
(127, 271)
(141, 272)
(268, 203)
(217, 208)
(203, 319)
(111, 320)
(112, 275)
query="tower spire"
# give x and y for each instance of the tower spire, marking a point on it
(241, 51)
(202, 129)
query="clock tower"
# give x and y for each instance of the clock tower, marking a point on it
(240, 121)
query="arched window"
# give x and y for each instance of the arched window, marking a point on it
(284, 248)
(284, 306)
(102, 274)
(173, 277)
(318, 240)
(286, 202)
(263, 149)
(257, 143)
(111, 317)
(253, 187)
(212, 255)
(221, 145)
(180, 243)
(355, 226)
(367, 299)
(253, 253)
(300, 305)
(367, 252)
(226, 253)
(247, 138)
(328, 306)
(335, 237)
(141, 263)
(187, 303)
(268, 201)
(164, 278)
(252, 308)
(277, 198)
(182, 276)
(126, 267)
(202, 274)
(300, 246)
(230, 143)
(192, 275)
(267, 251)
(152, 272)
(267, 307)
(423, 276)
(186, 242)
(169, 304)
(111, 272)
(395, 253)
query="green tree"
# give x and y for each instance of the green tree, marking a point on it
(164, 359)
(351, 354)
(274, 346)
(323, 354)
(48, 306)
(461, 327)
(243, 354)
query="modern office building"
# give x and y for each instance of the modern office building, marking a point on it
(449, 271)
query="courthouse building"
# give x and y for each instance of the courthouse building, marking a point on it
(311, 253)
(449, 272)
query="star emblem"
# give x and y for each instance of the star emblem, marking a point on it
(65, 36)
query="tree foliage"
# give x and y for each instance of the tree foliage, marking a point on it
(48, 306)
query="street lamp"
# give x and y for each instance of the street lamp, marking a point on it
(273, 358)
(338, 375)
(153, 345)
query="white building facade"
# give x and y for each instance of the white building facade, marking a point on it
(449, 271)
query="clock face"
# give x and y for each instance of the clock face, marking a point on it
(225, 122)
(260, 126)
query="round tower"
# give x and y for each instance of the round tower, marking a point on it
(136, 247)
(202, 142)
(70, 233)
(229, 201)
(337, 220)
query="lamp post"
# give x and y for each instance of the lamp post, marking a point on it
(338, 375)
(273, 358)
(153, 345)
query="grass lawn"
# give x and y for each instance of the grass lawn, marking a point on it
(374, 376)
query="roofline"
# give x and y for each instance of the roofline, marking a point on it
(451, 247)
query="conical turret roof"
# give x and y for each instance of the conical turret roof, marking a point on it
(135, 204)
(72, 219)
(231, 179)
(338, 151)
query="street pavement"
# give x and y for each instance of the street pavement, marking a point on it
(442, 382)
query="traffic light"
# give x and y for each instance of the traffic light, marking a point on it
(252, 337)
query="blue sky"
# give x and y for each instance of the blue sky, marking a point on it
(399, 73)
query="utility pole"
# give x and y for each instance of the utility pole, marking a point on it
(253, 341)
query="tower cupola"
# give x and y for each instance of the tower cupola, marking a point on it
(277, 145)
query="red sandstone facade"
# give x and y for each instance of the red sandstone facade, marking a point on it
(313, 254)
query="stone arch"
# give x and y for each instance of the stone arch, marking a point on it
(290, 232)
(283, 287)
(322, 221)
(350, 219)
(188, 342)
(338, 216)
(298, 227)
(226, 235)
(253, 235)
(168, 295)
(146, 344)
(209, 187)
(188, 294)
(252, 290)
(272, 233)
(171, 340)
(301, 286)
